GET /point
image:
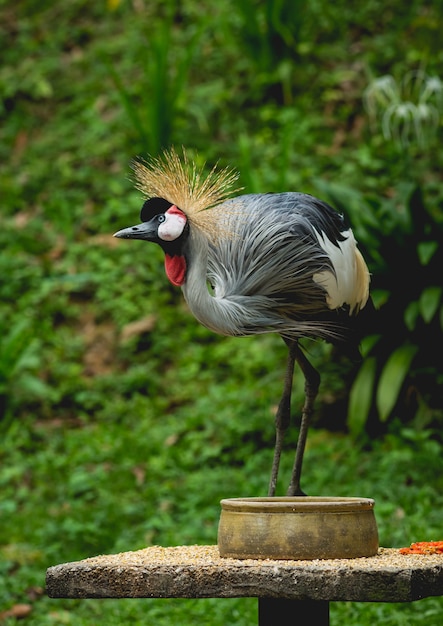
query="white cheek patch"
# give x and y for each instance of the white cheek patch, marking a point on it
(172, 227)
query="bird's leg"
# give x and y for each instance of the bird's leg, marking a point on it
(312, 383)
(283, 415)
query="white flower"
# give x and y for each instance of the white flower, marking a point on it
(407, 111)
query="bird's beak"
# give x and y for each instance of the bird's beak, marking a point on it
(146, 231)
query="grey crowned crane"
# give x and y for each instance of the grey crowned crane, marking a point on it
(258, 263)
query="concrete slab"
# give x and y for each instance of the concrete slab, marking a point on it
(200, 572)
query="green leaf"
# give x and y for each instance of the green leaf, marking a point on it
(429, 301)
(360, 397)
(367, 344)
(380, 297)
(14, 345)
(411, 314)
(426, 250)
(392, 378)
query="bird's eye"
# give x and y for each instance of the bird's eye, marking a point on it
(161, 218)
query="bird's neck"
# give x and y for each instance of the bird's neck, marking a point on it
(216, 313)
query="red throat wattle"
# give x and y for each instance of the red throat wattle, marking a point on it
(175, 267)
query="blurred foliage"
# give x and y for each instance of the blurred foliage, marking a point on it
(400, 376)
(105, 378)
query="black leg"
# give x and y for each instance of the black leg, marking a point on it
(312, 383)
(283, 415)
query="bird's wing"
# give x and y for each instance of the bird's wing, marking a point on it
(289, 262)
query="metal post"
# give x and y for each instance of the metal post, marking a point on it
(281, 612)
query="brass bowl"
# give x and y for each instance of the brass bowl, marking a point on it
(307, 527)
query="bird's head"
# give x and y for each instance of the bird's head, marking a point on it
(169, 182)
(161, 222)
(165, 224)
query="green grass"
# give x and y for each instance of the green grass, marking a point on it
(124, 422)
(109, 486)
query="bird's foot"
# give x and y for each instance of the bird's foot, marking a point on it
(295, 491)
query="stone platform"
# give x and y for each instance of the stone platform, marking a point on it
(199, 572)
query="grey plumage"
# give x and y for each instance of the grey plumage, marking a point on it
(283, 263)
(262, 274)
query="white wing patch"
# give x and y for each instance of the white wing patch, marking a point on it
(350, 284)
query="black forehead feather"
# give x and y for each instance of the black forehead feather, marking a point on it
(152, 207)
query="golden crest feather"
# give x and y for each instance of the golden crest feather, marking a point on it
(182, 183)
